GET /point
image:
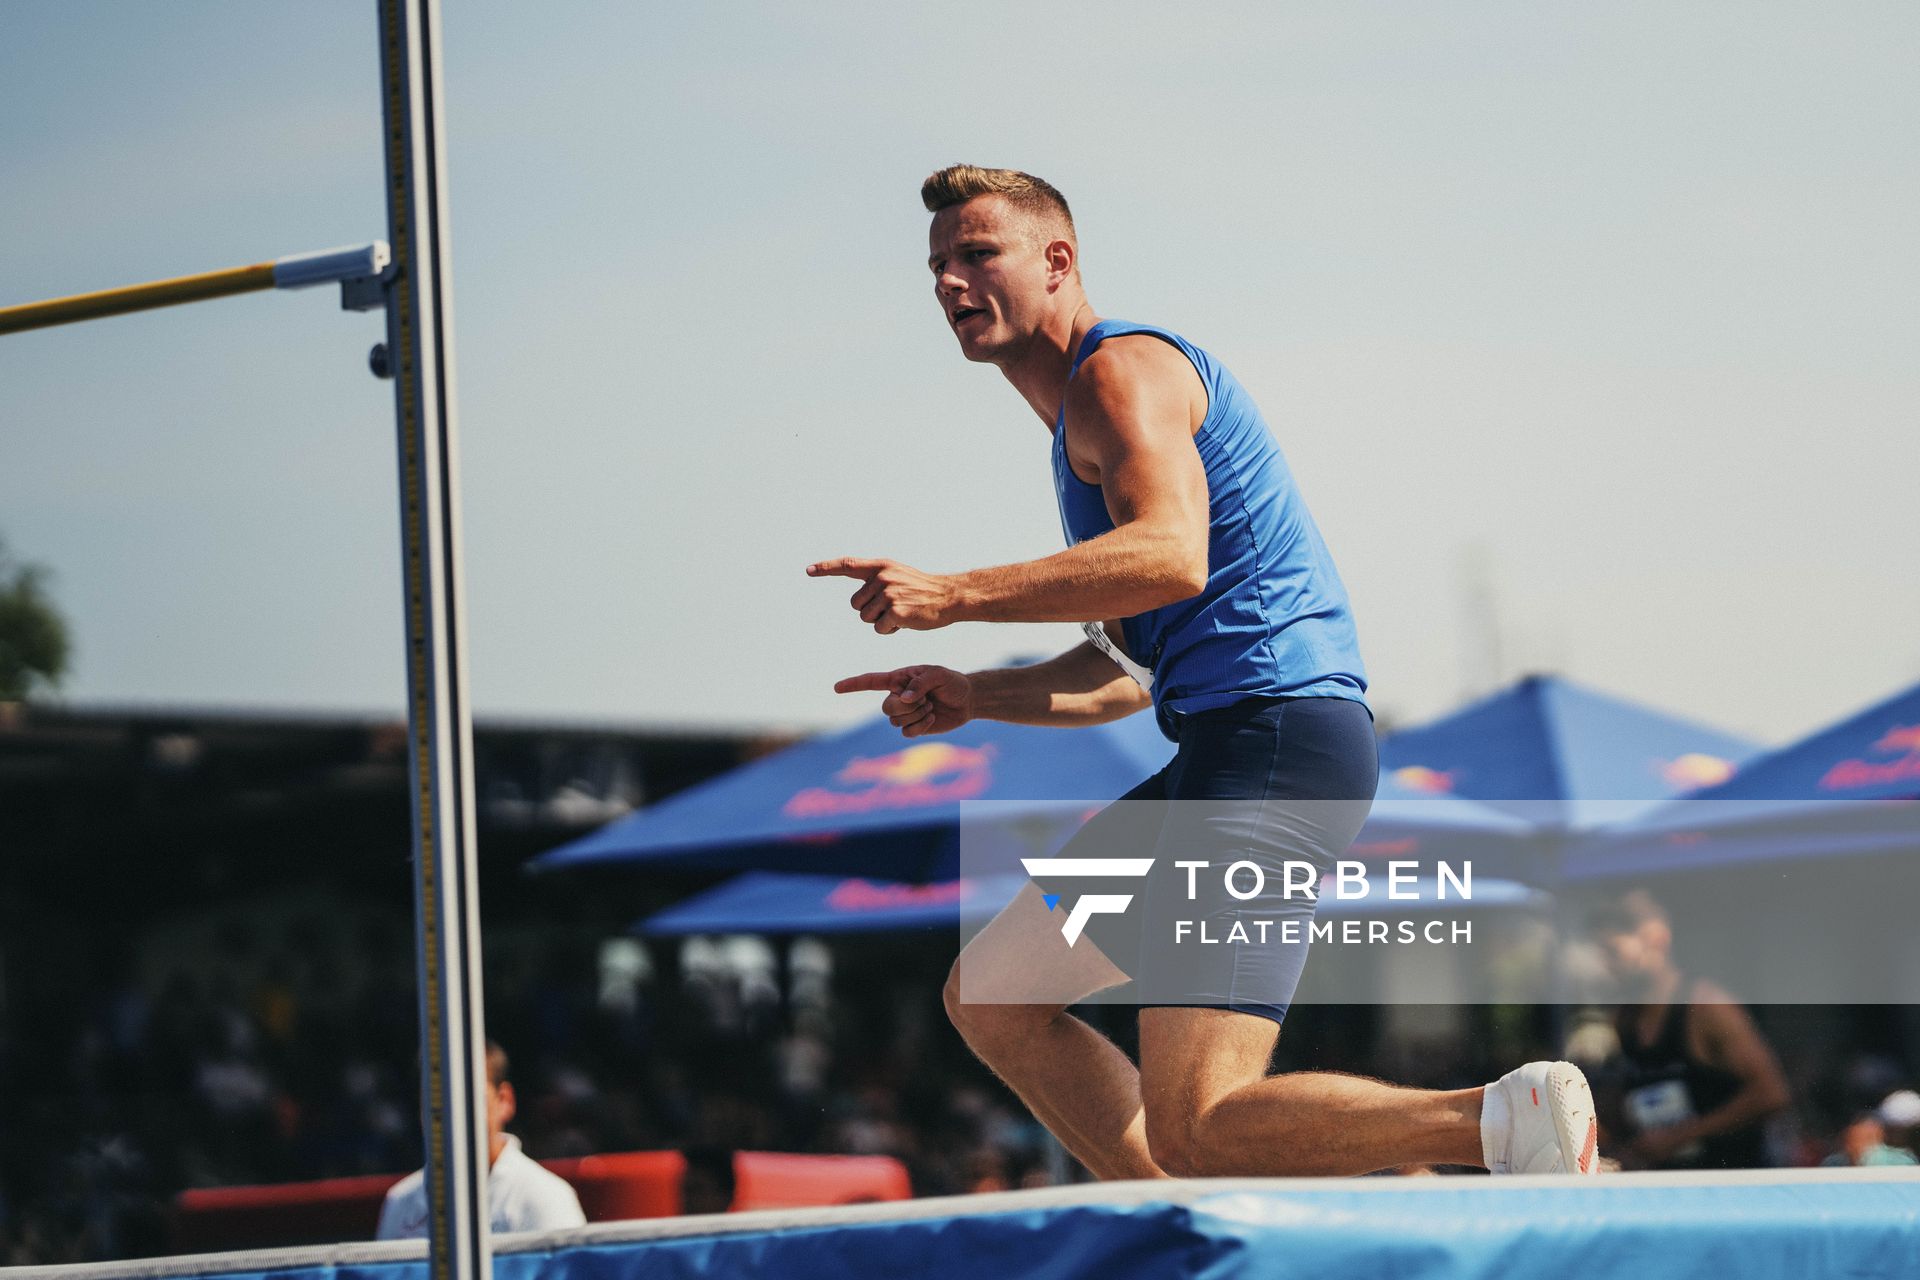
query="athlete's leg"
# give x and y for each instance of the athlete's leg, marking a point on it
(1076, 1082)
(1212, 1110)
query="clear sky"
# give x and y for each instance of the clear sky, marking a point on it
(1606, 313)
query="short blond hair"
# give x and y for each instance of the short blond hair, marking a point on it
(1036, 199)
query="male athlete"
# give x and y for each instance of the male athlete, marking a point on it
(1206, 592)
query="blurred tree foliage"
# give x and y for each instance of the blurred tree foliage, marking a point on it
(33, 636)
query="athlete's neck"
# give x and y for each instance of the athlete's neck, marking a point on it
(1041, 371)
(1663, 987)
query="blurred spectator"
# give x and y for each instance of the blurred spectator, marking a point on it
(987, 1170)
(1899, 1115)
(1694, 1080)
(1863, 1145)
(521, 1196)
(294, 1063)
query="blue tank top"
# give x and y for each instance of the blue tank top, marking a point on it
(1273, 618)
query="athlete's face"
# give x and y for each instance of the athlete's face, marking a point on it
(991, 276)
(500, 1107)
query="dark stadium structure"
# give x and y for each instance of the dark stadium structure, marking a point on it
(160, 867)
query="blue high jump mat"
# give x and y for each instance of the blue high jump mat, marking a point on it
(1789, 1224)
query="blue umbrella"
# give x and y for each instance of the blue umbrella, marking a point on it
(1850, 788)
(1560, 755)
(866, 801)
(781, 903)
(1424, 827)
(777, 903)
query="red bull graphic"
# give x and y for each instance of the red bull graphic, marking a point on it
(1432, 782)
(927, 773)
(867, 895)
(1901, 741)
(1902, 737)
(1694, 770)
(1404, 847)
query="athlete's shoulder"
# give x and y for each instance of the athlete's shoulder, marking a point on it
(1706, 994)
(1125, 342)
(1128, 368)
(1716, 1019)
(1133, 350)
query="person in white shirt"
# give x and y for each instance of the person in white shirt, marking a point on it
(521, 1196)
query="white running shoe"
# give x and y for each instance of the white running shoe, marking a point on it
(1539, 1119)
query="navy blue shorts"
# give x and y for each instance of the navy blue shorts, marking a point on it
(1299, 775)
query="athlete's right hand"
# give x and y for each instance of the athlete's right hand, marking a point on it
(920, 700)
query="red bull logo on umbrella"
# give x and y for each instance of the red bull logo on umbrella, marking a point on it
(1902, 737)
(926, 773)
(867, 895)
(1901, 741)
(1432, 782)
(1694, 770)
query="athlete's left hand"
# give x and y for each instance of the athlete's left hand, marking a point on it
(894, 596)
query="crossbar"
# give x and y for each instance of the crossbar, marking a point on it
(298, 271)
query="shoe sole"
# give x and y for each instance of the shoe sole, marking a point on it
(1575, 1125)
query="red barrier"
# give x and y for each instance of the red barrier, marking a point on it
(631, 1184)
(212, 1219)
(771, 1180)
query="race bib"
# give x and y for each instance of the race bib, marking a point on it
(1660, 1106)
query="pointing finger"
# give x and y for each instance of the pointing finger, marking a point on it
(845, 567)
(869, 682)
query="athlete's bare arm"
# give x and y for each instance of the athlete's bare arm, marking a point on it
(1131, 412)
(1724, 1036)
(1080, 687)
(1729, 1040)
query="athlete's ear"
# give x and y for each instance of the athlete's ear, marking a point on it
(1060, 256)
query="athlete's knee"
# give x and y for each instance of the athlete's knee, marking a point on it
(957, 1010)
(1171, 1142)
(984, 1025)
(974, 1021)
(1192, 1146)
